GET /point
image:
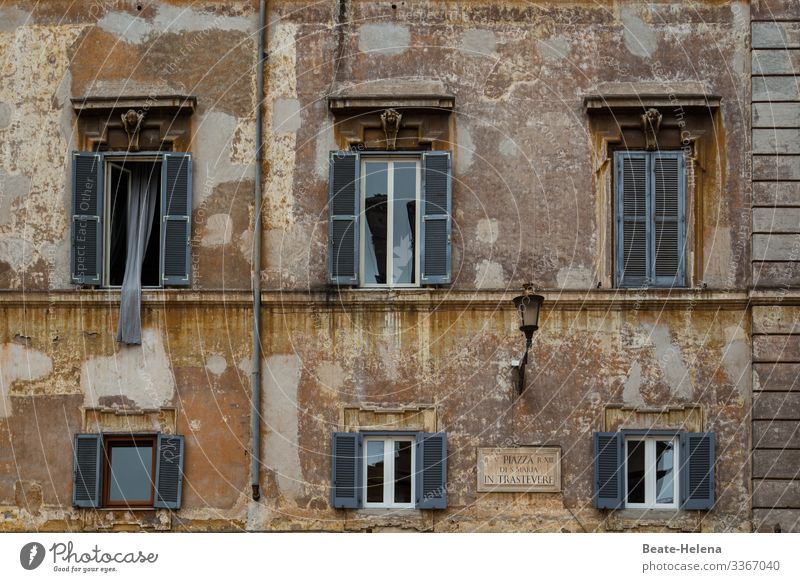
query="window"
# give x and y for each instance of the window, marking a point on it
(650, 218)
(128, 471)
(654, 470)
(390, 219)
(389, 470)
(650, 468)
(131, 213)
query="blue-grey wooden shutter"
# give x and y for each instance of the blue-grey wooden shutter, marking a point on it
(633, 264)
(667, 235)
(344, 208)
(436, 225)
(431, 470)
(87, 470)
(697, 470)
(346, 469)
(176, 219)
(608, 470)
(87, 218)
(169, 471)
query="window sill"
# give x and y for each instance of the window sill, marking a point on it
(373, 519)
(665, 519)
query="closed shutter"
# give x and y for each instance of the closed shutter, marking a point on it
(176, 213)
(667, 235)
(633, 211)
(346, 470)
(431, 470)
(697, 470)
(87, 218)
(169, 471)
(86, 472)
(436, 218)
(608, 467)
(343, 215)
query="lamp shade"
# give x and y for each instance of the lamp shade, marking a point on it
(528, 307)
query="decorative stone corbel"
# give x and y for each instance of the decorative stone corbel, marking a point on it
(651, 123)
(390, 120)
(132, 122)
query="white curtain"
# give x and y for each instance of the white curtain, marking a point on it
(141, 208)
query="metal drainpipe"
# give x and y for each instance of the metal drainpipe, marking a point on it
(255, 380)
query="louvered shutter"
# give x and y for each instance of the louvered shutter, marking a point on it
(169, 471)
(346, 470)
(176, 219)
(343, 216)
(697, 470)
(633, 211)
(668, 233)
(436, 218)
(86, 472)
(431, 470)
(87, 218)
(608, 470)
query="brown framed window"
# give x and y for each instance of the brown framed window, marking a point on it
(129, 469)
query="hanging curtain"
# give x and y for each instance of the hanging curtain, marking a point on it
(141, 209)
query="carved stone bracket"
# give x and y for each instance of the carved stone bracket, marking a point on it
(390, 120)
(651, 123)
(131, 122)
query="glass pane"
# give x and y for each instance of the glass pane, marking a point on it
(375, 471)
(404, 221)
(376, 224)
(635, 471)
(402, 472)
(131, 474)
(665, 474)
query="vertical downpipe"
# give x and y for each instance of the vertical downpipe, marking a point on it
(255, 380)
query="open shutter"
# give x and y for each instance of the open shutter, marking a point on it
(346, 469)
(343, 214)
(169, 471)
(632, 223)
(87, 218)
(667, 235)
(176, 215)
(86, 475)
(431, 470)
(697, 470)
(436, 218)
(608, 467)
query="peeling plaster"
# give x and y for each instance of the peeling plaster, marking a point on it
(170, 19)
(383, 39)
(142, 374)
(216, 364)
(554, 49)
(670, 361)
(5, 115)
(286, 115)
(632, 395)
(465, 148)
(578, 277)
(218, 230)
(508, 147)
(213, 157)
(489, 275)
(19, 363)
(280, 385)
(477, 42)
(12, 188)
(324, 145)
(640, 39)
(12, 18)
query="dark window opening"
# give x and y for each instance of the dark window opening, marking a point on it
(128, 471)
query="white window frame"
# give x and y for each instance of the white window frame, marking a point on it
(650, 472)
(119, 162)
(388, 472)
(391, 160)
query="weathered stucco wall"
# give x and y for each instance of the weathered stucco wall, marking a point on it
(525, 208)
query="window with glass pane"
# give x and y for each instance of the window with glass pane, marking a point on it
(129, 469)
(390, 195)
(650, 472)
(389, 468)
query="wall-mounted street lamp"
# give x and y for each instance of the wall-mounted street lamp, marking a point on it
(528, 306)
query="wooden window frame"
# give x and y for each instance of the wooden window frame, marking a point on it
(650, 467)
(388, 471)
(110, 441)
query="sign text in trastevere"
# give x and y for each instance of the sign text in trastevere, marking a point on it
(523, 469)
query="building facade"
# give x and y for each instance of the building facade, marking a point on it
(422, 162)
